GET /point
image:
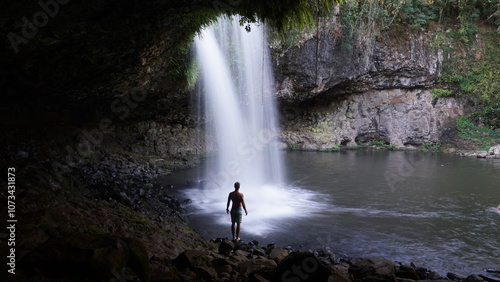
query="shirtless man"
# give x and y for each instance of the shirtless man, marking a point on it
(236, 210)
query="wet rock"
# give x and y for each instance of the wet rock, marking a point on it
(340, 273)
(376, 269)
(258, 252)
(408, 272)
(474, 278)
(301, 266)
(278, 254)
(455, 276)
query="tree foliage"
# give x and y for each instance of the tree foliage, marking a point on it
(421, 13)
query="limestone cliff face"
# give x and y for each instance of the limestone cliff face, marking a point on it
(399, 117)
(371, 92)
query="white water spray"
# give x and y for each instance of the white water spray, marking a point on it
(237, 86)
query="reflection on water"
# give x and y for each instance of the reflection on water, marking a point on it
(432, 209)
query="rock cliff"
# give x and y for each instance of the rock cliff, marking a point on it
(378, 92)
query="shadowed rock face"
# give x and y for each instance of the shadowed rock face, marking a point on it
(387, 61)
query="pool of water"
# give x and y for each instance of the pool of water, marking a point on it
(432, 209)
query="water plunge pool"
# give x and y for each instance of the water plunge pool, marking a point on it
(432, 209)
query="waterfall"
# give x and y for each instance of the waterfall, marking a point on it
(238, 90)
(237, 86)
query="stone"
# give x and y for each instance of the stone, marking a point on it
(190, 259)
(398, 117)
(278, 254)
(77, 257)
(495, 150)
(223, 265)
(258, 277)
(258, 252)
(205, 273)
(340, 274)
(482, 154)
(138, 258)
(474, 278)
(404, 271)
(226, 247)
(250, 266)
(378, 269)
(455, 276)
(301, 266)
(239, 256)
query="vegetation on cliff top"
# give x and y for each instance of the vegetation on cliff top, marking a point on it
(464, 31)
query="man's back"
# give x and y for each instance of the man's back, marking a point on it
(237, 199)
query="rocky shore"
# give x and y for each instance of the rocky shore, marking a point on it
(249, 261)
(64, 235)
(491, 153)
(109, 220)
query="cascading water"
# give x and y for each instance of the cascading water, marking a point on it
(238, 93)
(237, 86)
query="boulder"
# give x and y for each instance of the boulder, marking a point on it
(239, 256)
(301, 266)
(373, 269)
(495, 150)
(474, 278)
(340, 274)
(225, 247)
(404, 271)
(138, 258)
(205, 273)
(258, 252)
(278, 254)
(222, 265)
(81, 256)
(455, 276)
(256, 265)
(191, 259)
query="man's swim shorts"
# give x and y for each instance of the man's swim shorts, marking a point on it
(236, 215)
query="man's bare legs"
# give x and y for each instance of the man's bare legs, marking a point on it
(237, 237)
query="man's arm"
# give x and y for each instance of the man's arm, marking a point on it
(228, 201)
(243, 204)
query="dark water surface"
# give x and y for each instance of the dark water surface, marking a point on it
(432, 209)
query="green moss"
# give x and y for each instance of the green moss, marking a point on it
(136, 221)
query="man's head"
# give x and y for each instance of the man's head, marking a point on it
(236, 185)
